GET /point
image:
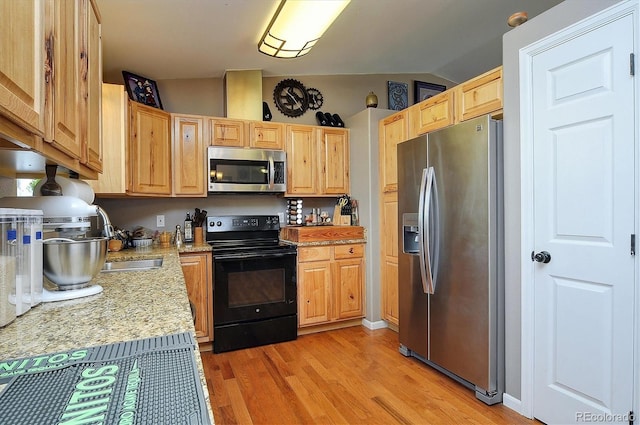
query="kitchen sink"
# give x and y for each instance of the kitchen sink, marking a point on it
(132, 265)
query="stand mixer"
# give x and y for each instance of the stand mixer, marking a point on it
(66, 219)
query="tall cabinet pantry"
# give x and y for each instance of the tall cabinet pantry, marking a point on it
(365, 188)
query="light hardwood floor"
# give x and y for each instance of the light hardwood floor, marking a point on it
(348, 376)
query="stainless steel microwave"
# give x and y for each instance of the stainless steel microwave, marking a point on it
(246, 170)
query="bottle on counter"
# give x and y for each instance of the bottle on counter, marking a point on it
(188, 229)
(179, 237)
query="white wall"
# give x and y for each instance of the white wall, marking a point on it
(555, 19)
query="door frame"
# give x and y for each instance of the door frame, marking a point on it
(526, 56)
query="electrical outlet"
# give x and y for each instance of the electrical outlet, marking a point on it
(281, 217)
(160, 221)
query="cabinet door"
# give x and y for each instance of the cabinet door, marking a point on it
(22, 63)
(92, 85)
(389, 263)
(334, 158)
(63, 88)
(348, 288)
(149, 151)
(431, 114)
(390, 304)
(225, 132)
(196, 269)
(189, 154)
(393, 130)
(301, 160)
(314, 279)
(479, 96)
(114, 126)
(266, 135)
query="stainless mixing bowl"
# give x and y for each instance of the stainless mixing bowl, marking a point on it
(71, 264)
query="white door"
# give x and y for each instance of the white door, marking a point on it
(583, 141)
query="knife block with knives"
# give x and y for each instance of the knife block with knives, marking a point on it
(342, 211)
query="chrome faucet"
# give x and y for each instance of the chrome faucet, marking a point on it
(107, 227)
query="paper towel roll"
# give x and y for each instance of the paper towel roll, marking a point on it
(71, 187)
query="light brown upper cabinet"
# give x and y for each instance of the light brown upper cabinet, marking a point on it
(51, 64)
(226, 132)
(189, 156)
(334, 161)
(317, 160)
(431, 114)
(92, 89)
(245, 134)
(266, 135)
(114, 126)
(480, 95)
(149, 151)
(302, 163)
(22, 67)
(393, 129)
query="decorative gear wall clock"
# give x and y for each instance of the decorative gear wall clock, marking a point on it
(315, 98)
(291, 97)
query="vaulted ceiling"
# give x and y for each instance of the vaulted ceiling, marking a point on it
(176, 39)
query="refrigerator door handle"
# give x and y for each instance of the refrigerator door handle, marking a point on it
(433, 237)
(426, 190)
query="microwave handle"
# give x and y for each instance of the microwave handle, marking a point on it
(272, 173)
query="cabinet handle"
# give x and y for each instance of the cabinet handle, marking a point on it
(351, 250)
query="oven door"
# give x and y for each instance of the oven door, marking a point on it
(254, 287)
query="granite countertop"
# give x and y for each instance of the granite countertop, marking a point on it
(133, 305)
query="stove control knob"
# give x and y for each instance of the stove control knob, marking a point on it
(219, 223)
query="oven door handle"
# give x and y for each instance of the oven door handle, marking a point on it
(272, 173)
(242, 256)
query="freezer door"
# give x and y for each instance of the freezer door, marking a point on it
(462, 308)
(412, 299)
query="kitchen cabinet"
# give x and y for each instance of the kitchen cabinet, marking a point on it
(91, 76)
(22, 67)
(266, 135)
(302, 159)
(389, 263)
(189, 156)
(50, 95)
(148, 151)
(334, 161)
(245, 134)
(317, 160)
(479, 96)
(197, 271)
(431, 114)
(114, 127)
(330, 284)
(63, 88)
(226, 132)
(393, 130)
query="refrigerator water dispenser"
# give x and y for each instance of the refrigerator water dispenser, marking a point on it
(410, 239)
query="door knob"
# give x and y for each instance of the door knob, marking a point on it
(541, 257)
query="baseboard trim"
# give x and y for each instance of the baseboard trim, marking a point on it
(378, 324)
(512, 403)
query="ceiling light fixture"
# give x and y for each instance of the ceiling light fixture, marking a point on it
(297, 25)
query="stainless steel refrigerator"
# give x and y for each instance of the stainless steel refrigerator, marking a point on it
(451, 279)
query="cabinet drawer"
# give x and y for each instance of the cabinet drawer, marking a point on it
(348, 251)
(315, 253)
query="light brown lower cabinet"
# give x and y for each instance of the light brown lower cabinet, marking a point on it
(330, 284)
(197, 271)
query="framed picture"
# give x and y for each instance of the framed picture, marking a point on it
(142, 89)
(423, 91)
(398, 95)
